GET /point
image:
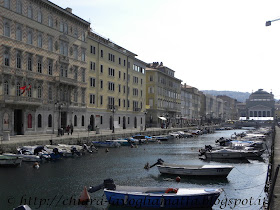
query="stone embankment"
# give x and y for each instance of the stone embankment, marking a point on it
(84, 137)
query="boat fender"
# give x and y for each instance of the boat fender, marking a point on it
(171, 190)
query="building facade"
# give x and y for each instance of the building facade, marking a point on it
(116, 86)
(230, 108)
(163, 96)
(42, 67)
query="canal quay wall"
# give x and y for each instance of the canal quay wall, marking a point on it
(85, 137)
(276, 161)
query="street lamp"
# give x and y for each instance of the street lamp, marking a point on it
(268, 23)
(113, 110)
(59, 106)
(145, 113)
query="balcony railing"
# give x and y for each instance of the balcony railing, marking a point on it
(21, 100)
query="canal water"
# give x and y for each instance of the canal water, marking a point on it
(58, 184)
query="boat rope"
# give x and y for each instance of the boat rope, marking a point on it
(250, 174)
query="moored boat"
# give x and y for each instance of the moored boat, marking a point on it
(26, 158)
(107, 143)
(7, 161)
(232, 153)
(158, 197)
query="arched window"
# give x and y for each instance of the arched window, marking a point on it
(75, 120)
(39, 121)
(18, 60)
(50, 21)
(29, 121)
(19, 33)
(7, 29)
(6, 88)
(18, 89)
(39, 41)
(6, 58)
(260, 114)
(29, 91)
(39, 92)
(83, 120)
(30, 12)
(19, 6)
(50, 121)
(268, 114)
(39, 17)
(30, 37)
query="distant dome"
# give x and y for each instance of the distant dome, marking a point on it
(261, 94)
(260, 91)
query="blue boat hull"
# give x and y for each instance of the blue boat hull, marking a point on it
(161, 201)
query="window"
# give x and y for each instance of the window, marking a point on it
(75, 72)
(29, 91)
(61, 28)
(50, 94)
(7, 4)
(101, 68)
(101, 120)
(119, 88)
(39, 65)
(6, 88)
(101, 84)
(18, 92)
(39, 16)
(18, 60)
(76, 32)
(101, 100)
(92, 65)
(39, 92)
(92, 49)
(50, 67)
(83, 36)
(83, 96)
(83, 55)
(50, 43)
(63, 48)
(7, 28)
(83, 75)
(92, 99)
(39, 41)
(50, 121)
(120, 61)
(29, 121)
(111, 72)
(50, 22)
(111, 57)
(75, 96)
(111, 86)
(6, 57)
(92, 82)
(101, 53)
(119, 102)
(29, 62)
(30, 12)
(30, 37)
(123, 62)
(75, 120)
(39, 120)
(75, 52)
(65, 28)
(19, 33)
(19, 6)
(83, 120)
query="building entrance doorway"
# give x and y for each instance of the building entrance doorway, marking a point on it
(91, 122)
(63, 120)
(18, 122)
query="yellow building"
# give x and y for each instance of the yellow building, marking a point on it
(116, 86)
(43, 49)
(163, 96)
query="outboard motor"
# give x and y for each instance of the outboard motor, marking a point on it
(159, 162)
(107, 184)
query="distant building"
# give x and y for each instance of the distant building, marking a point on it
(230, 108)
(163, 95)
(260, 106)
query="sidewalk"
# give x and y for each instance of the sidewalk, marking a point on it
(276, 198)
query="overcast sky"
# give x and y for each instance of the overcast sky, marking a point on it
(210, 44)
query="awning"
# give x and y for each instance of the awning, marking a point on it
(162, 118)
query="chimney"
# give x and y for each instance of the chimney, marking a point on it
(68, 9)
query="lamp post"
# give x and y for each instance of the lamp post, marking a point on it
(268, 23)
(113, 110)
(145, 113)
(59, 105)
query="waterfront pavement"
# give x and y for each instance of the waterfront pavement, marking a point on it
(276, 198)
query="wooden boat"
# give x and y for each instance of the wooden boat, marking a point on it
(158, 197)
(107, 143)
(26, 158)
(192, 170)
(10, 161)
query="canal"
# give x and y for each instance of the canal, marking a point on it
(58, 184)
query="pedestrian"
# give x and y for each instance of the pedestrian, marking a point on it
(68, 129)
(71, 128)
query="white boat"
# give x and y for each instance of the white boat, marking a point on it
(192, 170)
(10, 161)
(26, 158)
(232, 153)
(195, 170)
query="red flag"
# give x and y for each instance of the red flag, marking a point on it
(24, 89)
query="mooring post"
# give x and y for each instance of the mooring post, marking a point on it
(272, 186)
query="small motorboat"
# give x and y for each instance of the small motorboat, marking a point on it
(9, 161)
(158, 197)
(107, 143)
(227, 153)
(26, 158)
(192, 170)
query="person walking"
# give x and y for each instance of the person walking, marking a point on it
(71, 128)
(68, 129)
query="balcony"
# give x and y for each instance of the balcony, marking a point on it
(67, 81)
(63, 59)
(135, 109)
(21, 100)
